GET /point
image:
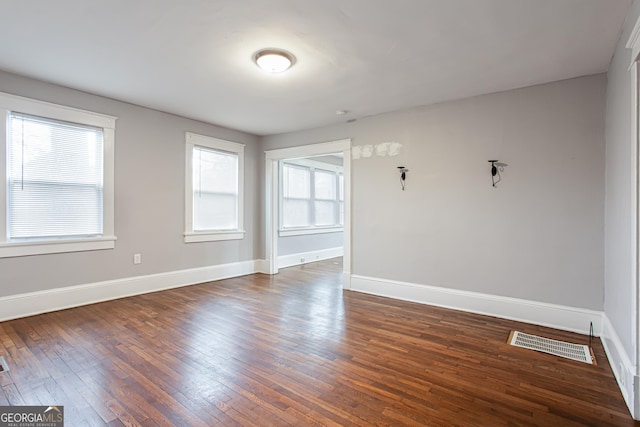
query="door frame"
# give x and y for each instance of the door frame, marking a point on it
(271, 224)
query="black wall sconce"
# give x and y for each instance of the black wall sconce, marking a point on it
(403, 175)
(496, 169)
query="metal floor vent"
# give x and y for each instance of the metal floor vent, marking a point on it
(3, 364)
(578, 352)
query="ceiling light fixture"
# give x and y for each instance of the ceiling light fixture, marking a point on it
(274, 60)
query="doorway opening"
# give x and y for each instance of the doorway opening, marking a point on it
(310, 209)
(307, 159)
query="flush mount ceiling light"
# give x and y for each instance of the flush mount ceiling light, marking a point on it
(274, 60)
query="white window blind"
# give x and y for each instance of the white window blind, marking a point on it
(296, 196)
(55, 179)
(341, 197)
(215, 190)
(326, 207)
(311, 196)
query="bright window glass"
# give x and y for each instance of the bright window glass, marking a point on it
(310, 195)
(215, 190)
(58, 167)
(296, 196)
(55, 179)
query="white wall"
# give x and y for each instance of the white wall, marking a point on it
(538, 236)
(149, 199)
(619, 287)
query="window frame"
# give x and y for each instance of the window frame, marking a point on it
(12, 103)
(311, 229)
(193, 140)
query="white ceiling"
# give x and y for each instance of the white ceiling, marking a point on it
(193, 57)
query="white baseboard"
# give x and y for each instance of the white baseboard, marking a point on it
(635, 408)
(552, 315)
(262, 266)
(346, 280)
(32, 303)
(621, 365)
(306, 257)
(555, 316)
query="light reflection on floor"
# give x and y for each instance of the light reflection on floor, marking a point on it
(310, 321)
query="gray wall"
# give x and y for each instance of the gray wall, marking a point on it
(538, 236)
(310, 242)
(149, 199)
(620, 300)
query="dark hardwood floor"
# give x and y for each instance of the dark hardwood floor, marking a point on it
(294, 349)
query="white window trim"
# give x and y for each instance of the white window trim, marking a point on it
(632, 394)
(192, 140)
(301, 231)
(9, 103)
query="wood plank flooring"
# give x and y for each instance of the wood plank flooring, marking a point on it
(294, 349)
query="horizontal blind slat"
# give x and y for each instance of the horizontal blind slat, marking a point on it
(55, 179)
(215, 189)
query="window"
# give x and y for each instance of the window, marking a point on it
(58, 171)
(214, 189)
(296, 193)
(311, 194)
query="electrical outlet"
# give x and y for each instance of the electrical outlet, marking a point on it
(622, 375)
(137, 258)
(301, 259)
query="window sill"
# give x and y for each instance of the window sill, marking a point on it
(42, 247)
(304, 231)
(212, 236)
